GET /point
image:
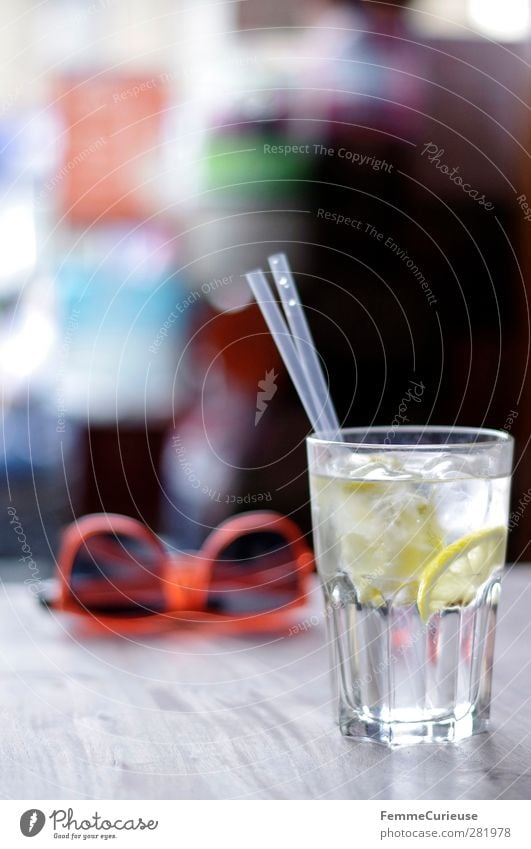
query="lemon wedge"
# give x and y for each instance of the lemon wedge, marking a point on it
(388, 533)
(369, 595)
(453, 576)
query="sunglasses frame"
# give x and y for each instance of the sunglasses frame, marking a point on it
(185, 599)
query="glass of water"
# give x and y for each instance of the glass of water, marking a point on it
(410, 528)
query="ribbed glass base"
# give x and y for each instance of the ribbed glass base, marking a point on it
(399, 680)
(395, 733)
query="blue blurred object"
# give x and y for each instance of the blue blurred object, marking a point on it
(123, 325)
(41, 478)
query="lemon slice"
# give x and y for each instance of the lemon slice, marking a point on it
(369, 595)
(388, 533)
(453, 576)
(382, 533)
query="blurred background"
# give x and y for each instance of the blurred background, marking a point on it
(152, 152)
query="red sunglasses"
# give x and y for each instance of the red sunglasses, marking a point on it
(250, 574)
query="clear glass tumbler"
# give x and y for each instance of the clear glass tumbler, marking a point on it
(410, 528)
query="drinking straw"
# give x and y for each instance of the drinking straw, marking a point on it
(305, 372)
(289, 295)
(284, 342)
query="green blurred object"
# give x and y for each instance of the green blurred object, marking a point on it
(256, 165)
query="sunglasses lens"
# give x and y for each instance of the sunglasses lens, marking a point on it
(117, 574)
(254, 574)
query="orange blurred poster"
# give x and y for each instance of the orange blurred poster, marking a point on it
(111, 133)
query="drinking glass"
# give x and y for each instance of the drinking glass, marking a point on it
(410, 528)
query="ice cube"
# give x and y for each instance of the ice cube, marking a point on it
(370, 467)
(461, 505)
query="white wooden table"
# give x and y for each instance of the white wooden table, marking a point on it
(196, 716)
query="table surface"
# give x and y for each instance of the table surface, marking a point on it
(184, 716)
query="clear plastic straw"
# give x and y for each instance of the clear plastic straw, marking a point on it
(284, 342)
(302, 337)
